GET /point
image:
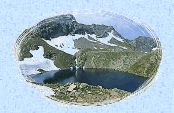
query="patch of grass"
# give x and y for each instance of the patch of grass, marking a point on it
(139, 63)
(147, 66)
(84, 93)
(108, 59)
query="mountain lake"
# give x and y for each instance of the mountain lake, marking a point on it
(96, 77)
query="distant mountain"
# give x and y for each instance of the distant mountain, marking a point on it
(145, 44)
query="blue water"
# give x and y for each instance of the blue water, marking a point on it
(102, 77)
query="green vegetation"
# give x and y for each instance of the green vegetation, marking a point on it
(139, 63)
(83, 93)
(107, 59)
(147, 66)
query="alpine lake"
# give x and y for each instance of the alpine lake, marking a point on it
(105, 78)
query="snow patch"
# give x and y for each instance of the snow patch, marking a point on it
(117, 38)
(66, 43)
(30, 66)
(123, 47)
(106, 40)
(154, 48)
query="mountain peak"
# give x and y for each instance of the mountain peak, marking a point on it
(64, 25)
(67, 18)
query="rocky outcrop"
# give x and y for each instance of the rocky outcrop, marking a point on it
(84, 94)
(67, 25)
(145, 44)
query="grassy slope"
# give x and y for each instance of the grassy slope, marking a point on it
(108, 59)
(128, 61)
(147, 66)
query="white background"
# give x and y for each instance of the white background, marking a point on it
(17, 96)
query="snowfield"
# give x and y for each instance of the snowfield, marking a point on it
(30, 65)
(66, 43)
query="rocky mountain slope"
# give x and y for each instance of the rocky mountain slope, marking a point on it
(70, 44)
(67, 25)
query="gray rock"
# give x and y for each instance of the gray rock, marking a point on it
(67, 25)
(145, 44)
(71, 87)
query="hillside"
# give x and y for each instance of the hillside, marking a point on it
(71, 44)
